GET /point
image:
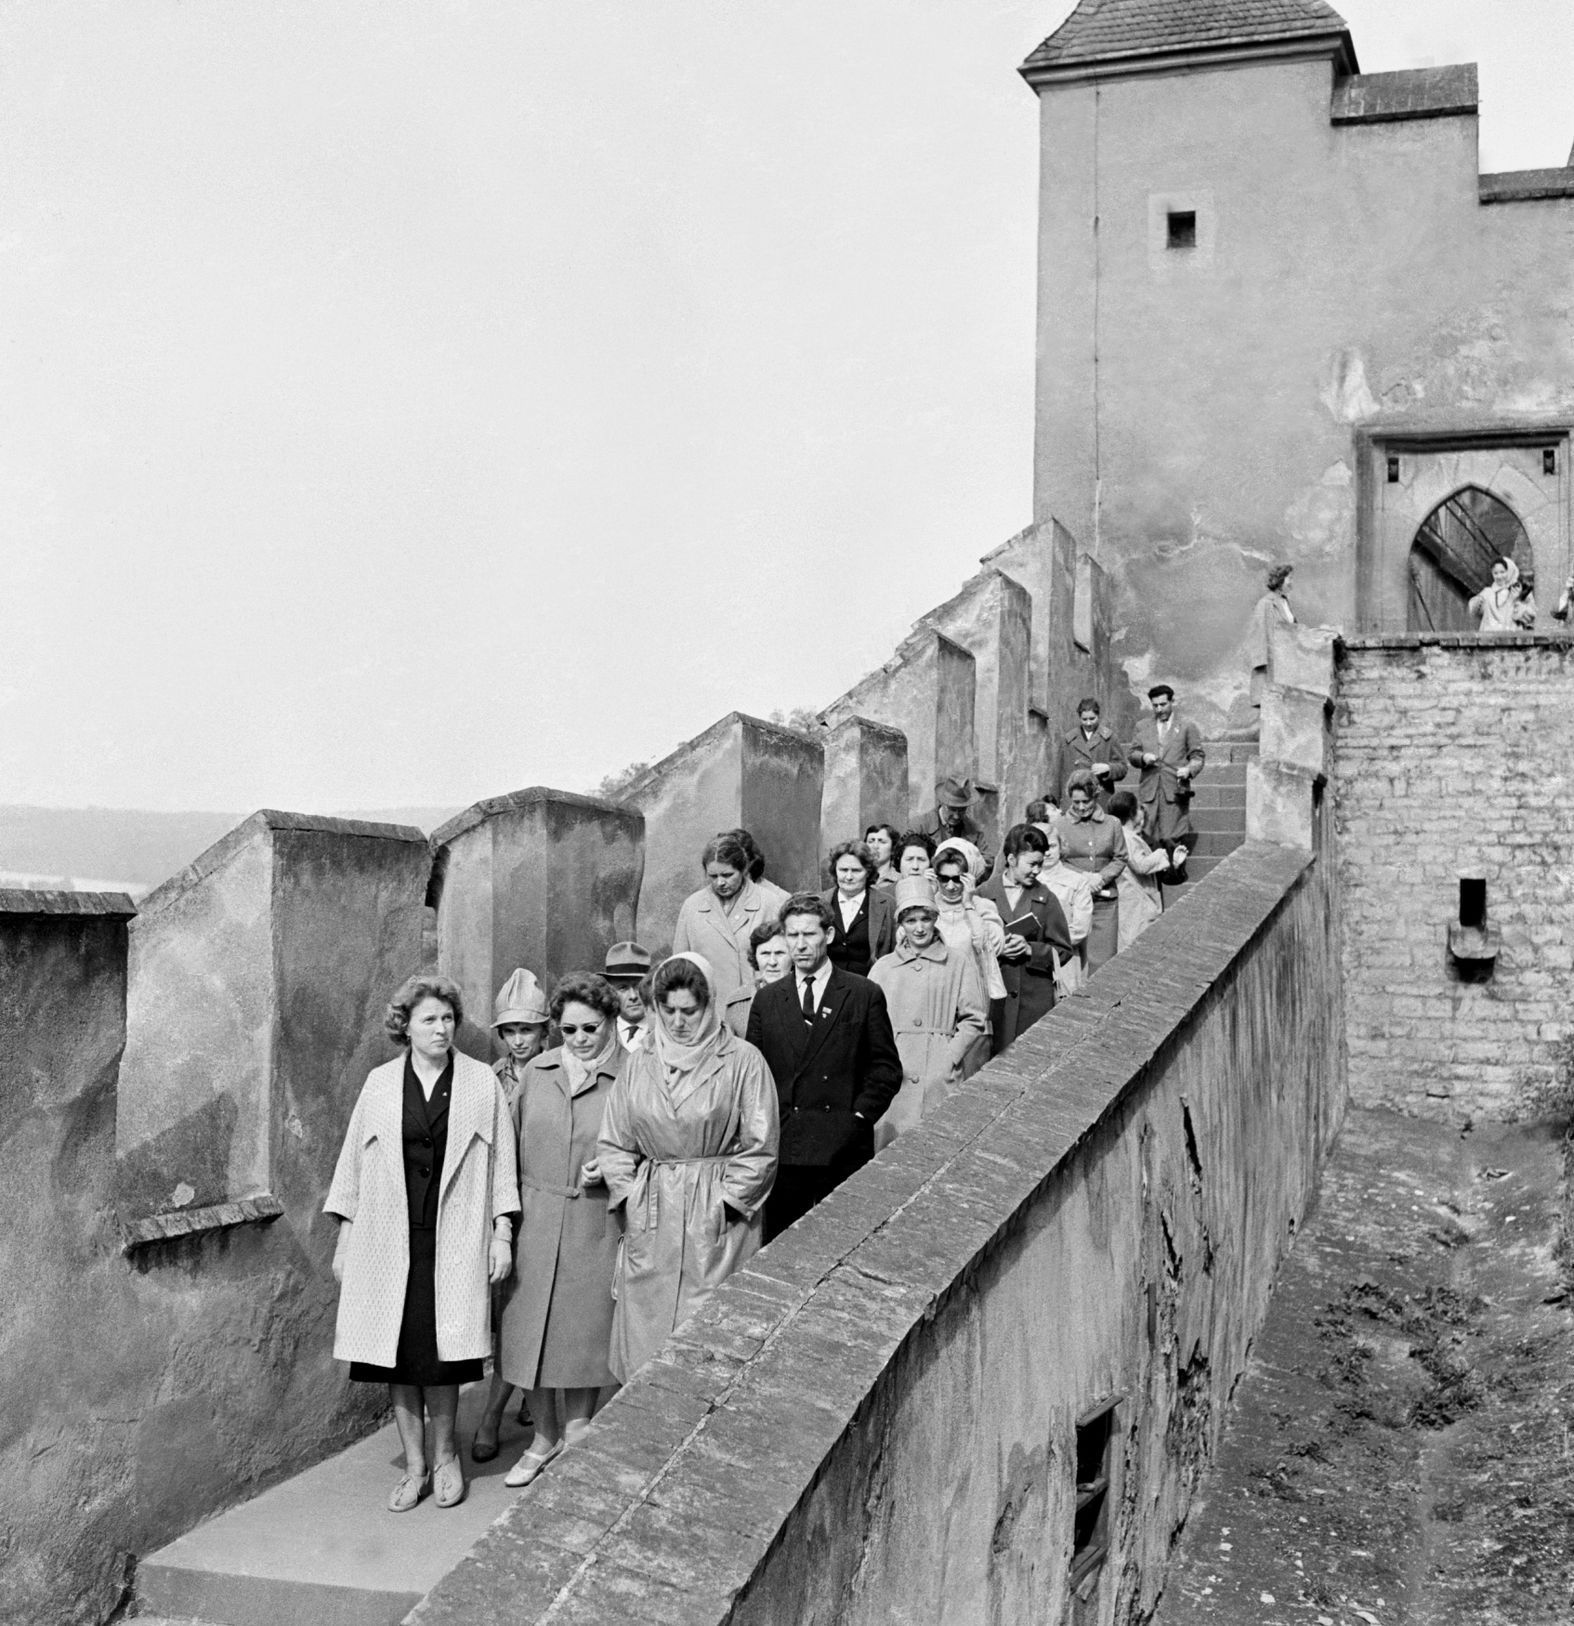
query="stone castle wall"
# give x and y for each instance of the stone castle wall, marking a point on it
(875, 1419)
(1453, 758)
(180, 1088)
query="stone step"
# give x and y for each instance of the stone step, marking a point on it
(323, 1547)
(1209, 793)
(1221, 820)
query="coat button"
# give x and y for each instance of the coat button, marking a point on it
(423, 1172)
(426, 1140)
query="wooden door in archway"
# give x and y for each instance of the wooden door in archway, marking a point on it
(1451, 557)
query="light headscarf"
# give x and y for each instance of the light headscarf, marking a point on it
(971, 856)
(681, 1058)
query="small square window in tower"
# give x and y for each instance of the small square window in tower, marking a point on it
(1182, 228)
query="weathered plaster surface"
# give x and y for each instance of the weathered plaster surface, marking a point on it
(865, 779)
(1453, 759)
(1200, 411)
(541, 879)
(740, 771)
(142, 1393)
(873, 1420)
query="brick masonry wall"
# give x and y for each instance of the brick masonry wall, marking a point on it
(1453, 758)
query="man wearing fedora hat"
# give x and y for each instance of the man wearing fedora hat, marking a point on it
(1168, 750)
(953, 816)
(626, 969)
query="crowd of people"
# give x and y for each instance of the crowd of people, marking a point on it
(651, 1124)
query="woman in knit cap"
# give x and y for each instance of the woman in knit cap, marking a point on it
(558, 1318)
(519, 1019)
(937, 1009)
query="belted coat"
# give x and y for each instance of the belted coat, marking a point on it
(689, 1167)
(557, 1314)
(479, 1183)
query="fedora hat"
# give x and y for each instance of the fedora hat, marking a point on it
(520, 999)
(953, 792)
(626, 962)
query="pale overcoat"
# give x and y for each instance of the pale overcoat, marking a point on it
(675, 1161)
(480, 1183)
(705, 927)
(557, 1316)
(938, 1014)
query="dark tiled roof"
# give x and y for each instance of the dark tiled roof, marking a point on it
(1414, 93)
(1099, 30)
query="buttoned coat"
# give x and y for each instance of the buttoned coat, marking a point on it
(721, 935)
(479, 1183)
(1030, 983)
(1165, 798)
(559, 1300)
(1073, 752)
(1141, 902)
(938, 1014)
(832, 1080)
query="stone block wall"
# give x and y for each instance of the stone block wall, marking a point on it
(865, 779)
(541, 879)
(258, 980)
(148, 1382)
(740, 771)
(875, 1419)
(1452, 758)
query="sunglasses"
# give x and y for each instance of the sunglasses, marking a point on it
(585, 1027)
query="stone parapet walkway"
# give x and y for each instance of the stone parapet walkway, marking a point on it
(1398, 1453)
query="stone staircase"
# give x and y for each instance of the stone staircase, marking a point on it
(1218, 809)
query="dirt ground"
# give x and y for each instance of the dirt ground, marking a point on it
(1398, 1453)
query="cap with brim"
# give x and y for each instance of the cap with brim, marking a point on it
(915, 892)
(520, 999)
(955, 792)
(627, 962)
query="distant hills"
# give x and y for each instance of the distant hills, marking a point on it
(100, 848)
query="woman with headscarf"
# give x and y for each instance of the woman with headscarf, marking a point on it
(936, 1005)
(688, 1151)
(557, 1318)
(970, 923)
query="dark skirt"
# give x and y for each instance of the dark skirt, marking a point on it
(416, 1359)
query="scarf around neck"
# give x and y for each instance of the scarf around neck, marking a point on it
(579, 1072)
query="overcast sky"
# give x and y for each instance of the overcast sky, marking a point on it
(407, 402)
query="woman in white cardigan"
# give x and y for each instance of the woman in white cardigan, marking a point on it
(425, 1192)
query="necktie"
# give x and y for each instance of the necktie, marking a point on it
(808, 1001)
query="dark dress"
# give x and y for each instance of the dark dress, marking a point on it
(425, 1136)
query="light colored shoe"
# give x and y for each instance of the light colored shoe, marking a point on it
(575, 1430)
(408, 1492)
(528, 1466)
(448, 1483)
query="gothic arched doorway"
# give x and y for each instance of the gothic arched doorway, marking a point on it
(1451, 557)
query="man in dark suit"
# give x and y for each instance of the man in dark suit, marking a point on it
(1037, 936)
(1168, 749)
(827, 1039)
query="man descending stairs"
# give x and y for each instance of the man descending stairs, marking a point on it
(1218, 810)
